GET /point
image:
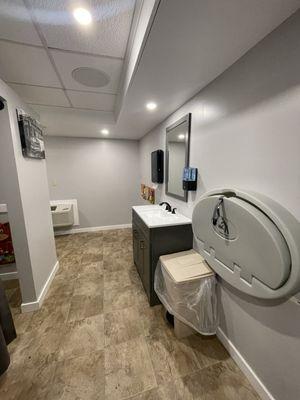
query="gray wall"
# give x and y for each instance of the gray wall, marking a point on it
(23, 187)
(101, 174)
(245, 133)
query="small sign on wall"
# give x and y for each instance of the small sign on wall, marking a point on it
(148, 193)
(31, 135)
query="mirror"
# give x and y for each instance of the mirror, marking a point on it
(177, 156)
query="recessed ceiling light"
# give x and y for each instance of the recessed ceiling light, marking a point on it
(82, 16)
(105, 131)
(151, 106)
(181, 136)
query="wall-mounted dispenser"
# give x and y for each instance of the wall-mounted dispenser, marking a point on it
(250, 241)
(189, 181)
(157, 166)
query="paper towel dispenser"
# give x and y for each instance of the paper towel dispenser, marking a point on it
(251, 241)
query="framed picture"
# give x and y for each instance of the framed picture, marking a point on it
(31, 136)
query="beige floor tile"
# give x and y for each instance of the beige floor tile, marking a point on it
(153, 319)
(122, 325)
(120, 298)
(60, 354)
(168, 391)
(22, 321)
(121, 278)
(171, 358)
(50, 316)
(37, 346)
(89, 284)
(222, 381)
(90, 257)
(25, 382)
(208, 349)
(128, 370)
(80, 378)
(93, 267)
(82, 337)
(82, 306)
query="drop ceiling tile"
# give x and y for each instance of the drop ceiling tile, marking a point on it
(41, 95)
(92, 101)
(26, 64)
(16, 24)
(107, 35)
(66, 62)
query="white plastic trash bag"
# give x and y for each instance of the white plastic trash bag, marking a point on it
(194, 302)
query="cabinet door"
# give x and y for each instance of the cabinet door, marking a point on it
(145, 264)
(135, 234)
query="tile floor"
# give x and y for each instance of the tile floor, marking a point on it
(96, 337)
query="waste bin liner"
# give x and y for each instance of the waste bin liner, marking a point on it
(186, 286)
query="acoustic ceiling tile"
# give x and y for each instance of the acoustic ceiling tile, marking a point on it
(41, 95)
(66, 62)
(92, 101)
(16, 24)
(26, 64)
(107, 34)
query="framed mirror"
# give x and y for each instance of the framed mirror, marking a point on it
(177, 156)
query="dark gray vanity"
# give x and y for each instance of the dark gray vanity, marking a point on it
(156, 232)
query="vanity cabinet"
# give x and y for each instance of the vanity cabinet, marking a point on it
(150, 243)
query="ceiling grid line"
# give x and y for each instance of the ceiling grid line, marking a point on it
(43, 40)
(83, 53)
(69, 108)
(55, 87)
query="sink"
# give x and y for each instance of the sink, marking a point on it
(156, 216)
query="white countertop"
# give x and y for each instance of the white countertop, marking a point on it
(156, 216)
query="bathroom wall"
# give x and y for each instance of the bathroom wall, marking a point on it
(23, 187)
(245, 133)
(101, 174)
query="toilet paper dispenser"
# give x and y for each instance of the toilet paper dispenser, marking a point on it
(251, 241)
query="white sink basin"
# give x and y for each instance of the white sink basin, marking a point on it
(156, 216)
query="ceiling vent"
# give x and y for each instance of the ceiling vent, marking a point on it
(90, 77)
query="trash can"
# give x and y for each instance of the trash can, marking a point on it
(7, 330)
(4, 354)
(186, 286)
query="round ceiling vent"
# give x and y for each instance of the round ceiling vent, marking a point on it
(91, 77)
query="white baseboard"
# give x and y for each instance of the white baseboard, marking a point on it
(244, 366)
(92, 229)
(36, 305)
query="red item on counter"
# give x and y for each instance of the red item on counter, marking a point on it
(6, 247)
